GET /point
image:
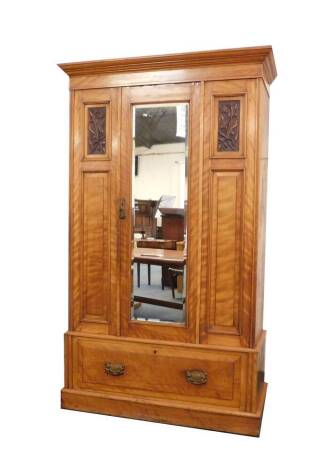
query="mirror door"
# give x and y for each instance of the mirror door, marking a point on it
(159, 199)
(157, 210)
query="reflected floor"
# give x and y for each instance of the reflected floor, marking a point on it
(154, 291)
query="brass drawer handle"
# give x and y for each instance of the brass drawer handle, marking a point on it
(114, 369)
(196, 377)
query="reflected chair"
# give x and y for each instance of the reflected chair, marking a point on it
(174, 274)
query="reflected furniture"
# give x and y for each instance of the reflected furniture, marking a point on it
(159, 256)
(138, 264)
(175, 275)
(180, 245)
(157, 243)
(207, 371)
(144, 217)
(162, 244)
(173, 226)
(172, 223)
(164, 258)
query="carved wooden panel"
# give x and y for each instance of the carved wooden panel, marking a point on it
(96, 133)
(95, 246)
(228, 126)
(225, 209)
(226, 117)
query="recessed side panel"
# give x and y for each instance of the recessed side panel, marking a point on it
(224, 276)
(96, 246)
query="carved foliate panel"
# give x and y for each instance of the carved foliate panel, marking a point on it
(96, 130)
(228, 126)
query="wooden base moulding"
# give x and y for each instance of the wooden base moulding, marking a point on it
(167, 411)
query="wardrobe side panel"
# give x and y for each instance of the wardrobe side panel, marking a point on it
(228, 212)
(94, 211)
(262, 166)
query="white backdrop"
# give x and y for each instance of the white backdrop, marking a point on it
(35, 35)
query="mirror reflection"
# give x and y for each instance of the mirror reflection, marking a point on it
(159, 200)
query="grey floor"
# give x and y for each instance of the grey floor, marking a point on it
(154, 291)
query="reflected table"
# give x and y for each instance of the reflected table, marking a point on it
(160, 257)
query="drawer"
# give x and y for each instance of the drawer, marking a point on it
(182, 373)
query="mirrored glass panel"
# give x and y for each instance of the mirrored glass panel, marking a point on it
(159, 201)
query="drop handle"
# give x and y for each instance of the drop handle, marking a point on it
(122, 212)
(114, 368)
(196, 377)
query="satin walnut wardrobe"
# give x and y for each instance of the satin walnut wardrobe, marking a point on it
(168, 174)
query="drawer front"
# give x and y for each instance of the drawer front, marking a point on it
(214, 377)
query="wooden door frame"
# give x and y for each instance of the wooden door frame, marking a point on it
(171, 93)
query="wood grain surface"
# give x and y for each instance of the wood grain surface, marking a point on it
(222, 342)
